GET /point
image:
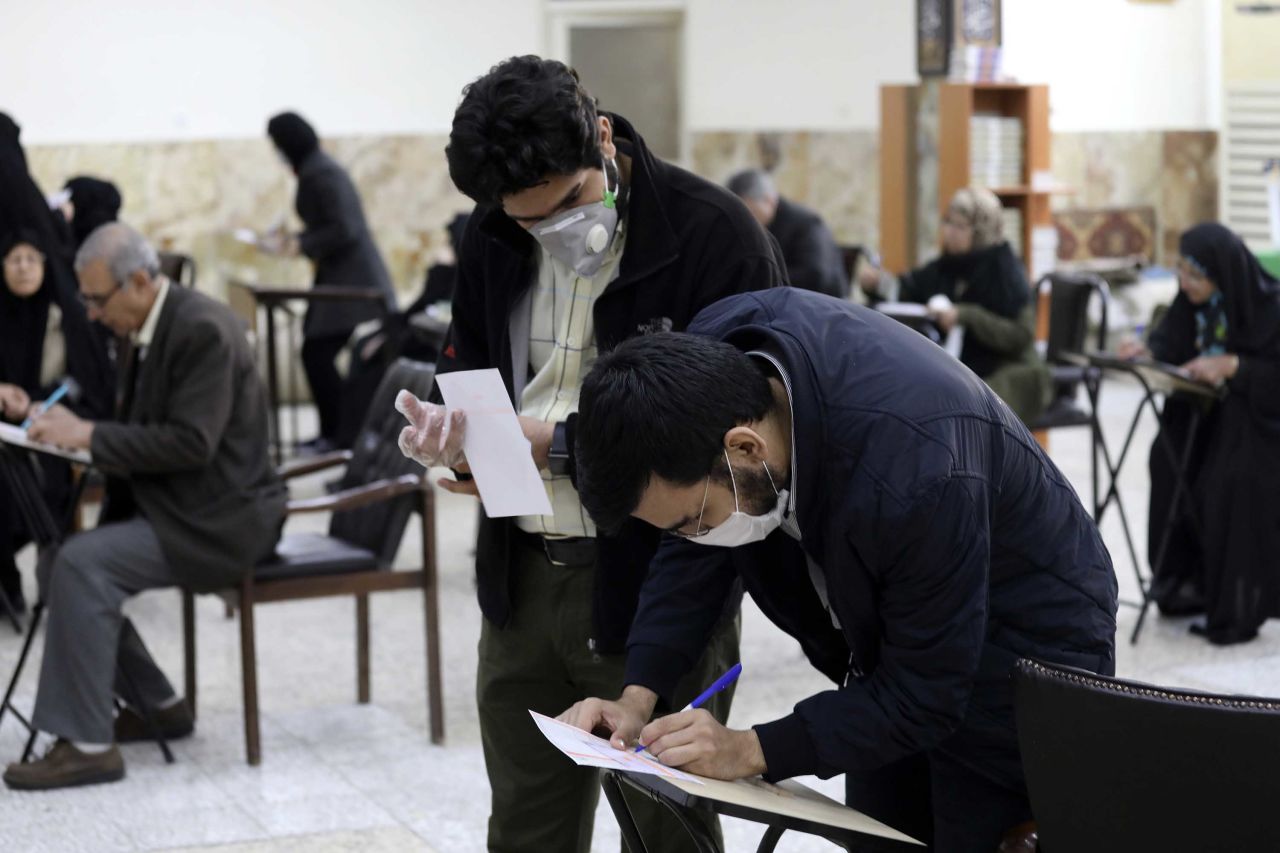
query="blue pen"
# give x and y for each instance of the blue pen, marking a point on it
(48, 404)
(720, 684)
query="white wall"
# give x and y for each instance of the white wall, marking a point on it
(794, 64)
(1116, 64)
(133, 70)
(95, 71)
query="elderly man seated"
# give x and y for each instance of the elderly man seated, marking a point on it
(192, 501)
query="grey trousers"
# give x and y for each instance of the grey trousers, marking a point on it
(89, 646)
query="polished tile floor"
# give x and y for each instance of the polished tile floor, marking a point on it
(337, 776)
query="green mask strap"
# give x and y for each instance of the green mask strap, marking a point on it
(611, 195)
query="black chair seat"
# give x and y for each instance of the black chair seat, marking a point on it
(1063, 412)
(305, 555)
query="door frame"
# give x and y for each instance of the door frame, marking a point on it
(565, 15)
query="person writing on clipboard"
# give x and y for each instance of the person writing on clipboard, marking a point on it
(1223, 329)
(881, 505)
(581, 238)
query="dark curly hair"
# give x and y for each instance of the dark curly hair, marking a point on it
(526, 119)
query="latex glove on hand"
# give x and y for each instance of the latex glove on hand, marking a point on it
(434, 435)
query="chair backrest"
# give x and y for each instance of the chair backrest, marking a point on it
(849, 256)
(178, 268)
(1069, 296)
(376, 456)
(1118, 765)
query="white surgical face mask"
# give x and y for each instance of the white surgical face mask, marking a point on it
(740, 528)
(580, 236)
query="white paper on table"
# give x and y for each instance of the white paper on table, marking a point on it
(497, 451)
(902, 309)
(17, 436)
(587, 750)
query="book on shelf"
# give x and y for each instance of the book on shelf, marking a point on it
(996, 150)
(976, 64)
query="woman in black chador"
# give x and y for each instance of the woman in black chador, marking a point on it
(1224, 327)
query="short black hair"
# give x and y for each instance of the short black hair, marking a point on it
(659, 405)
(526, 119)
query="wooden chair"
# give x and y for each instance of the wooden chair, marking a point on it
(371, 509)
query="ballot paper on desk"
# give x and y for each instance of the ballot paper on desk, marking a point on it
(496, 449)
(587, 750)
(17, 437)
(739, 798)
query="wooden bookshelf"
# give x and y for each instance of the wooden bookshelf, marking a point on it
(957, 104)
(900, 172)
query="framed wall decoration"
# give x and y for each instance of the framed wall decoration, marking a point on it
(933, 37)
(977, 23)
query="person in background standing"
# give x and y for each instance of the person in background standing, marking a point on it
(336, 238)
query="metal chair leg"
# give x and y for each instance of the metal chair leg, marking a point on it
(362, 649)
(189, 648)
(249, 674)
(431, 618)
(36, 612)
(622, 813)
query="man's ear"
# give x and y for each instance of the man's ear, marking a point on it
(607, 146)
(745, 445)
(140, 280)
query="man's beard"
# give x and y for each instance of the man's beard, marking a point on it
(756, 495)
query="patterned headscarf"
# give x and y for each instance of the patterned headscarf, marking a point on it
(981, 209)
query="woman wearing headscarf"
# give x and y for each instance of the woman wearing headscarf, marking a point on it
(988, 295)
(93, 202)
(337, 240)
(45, 338)
(1224, 329)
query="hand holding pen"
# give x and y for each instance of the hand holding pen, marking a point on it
(48, 404)
(696, 742)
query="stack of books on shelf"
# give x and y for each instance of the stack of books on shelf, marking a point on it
(1044, 251)
(995, 151)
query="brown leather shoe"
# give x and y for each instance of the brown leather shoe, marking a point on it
(64, 766)
(175, 723)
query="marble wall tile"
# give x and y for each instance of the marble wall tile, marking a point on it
(188, 196)
(834, 172)
(1108, 169)
(844, 184)
(1189, 184)
(1173, 172)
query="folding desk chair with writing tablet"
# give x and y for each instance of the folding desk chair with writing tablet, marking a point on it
(1157, 380)
(786, 806)
(17, 469)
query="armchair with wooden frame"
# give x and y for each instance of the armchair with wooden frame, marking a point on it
(376, 496)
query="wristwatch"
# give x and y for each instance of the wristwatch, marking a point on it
(558, 456)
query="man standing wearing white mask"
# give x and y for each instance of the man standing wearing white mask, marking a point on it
(581, 240)
(882, 506)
